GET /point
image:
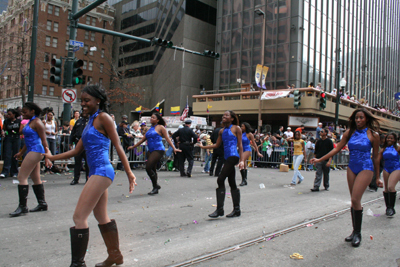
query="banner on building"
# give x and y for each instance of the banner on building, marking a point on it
(258, 74)
(264, 76)
(274, 95)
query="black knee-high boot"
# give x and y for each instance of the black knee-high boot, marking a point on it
(39, 193)
(236, 203)
(244, 177)
(220, 203)
(156, 187)
(387, 204)
(358, 214)
(390, 211)
(350, 237)
(79, 243)
(109, 232)
(23, 196)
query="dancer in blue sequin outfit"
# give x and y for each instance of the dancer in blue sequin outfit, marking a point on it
(231, 137)
(391, 171)
(96, 142)
(361, 137)
(248, 142)
(35, 139)
(156, 148)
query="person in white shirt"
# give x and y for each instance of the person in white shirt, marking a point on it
(288, 132)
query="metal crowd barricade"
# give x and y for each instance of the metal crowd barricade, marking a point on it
(274, 156)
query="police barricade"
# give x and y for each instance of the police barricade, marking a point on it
(274, 156)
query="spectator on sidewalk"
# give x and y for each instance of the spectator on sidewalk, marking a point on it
(319, 128)
(288, 132)
(12, 143)
(322, 147)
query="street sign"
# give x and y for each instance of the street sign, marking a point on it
(397, 96)
(68, 95)
(76, 43)
(76, 48)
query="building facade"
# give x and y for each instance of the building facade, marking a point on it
(157, 73)
(302, 41)
(53, 39)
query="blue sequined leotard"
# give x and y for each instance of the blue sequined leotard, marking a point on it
(32, 140)
(360, 152)
(392, 159)
(154, 140)
(97, 146)
(245, 143)
(230, 143)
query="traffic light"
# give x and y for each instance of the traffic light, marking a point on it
(77, 71)
(297, 98)
(322, 101)
(161, 42)
(55, 71)
(209, 53)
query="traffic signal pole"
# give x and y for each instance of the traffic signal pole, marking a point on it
(67, 81)
(31, 86)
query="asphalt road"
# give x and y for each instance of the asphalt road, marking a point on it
(173, 227)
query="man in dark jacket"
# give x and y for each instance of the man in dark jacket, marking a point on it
(187, 138)
(323, 146)
(74, 138)
(218, 153)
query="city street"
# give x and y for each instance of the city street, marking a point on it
(173, 227)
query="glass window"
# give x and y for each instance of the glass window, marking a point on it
(44, 90)
(234, 75)
(50, 9)
(66, 45)
(102, 53)
(236, 39)
(101, 81)
(85, 49)
(257, 35)
(57, 11)
(45, 74)
(305, 54)
(87, 20)
(51, 90)
(90, 65)
(306, 11)
(48, 40)
(269, 54)
(312, 57)
(237, 20)
(246, 44)
(93, 21)
(225, 61)
(55, 41)
(246, 59)
(48, 27)
(86, 35)
(283, 53)
(248, 17)
(226, 7)
(46, 57)
(55, 26)
(312, 36)
(234, 60)
(101, 67)
(84, 65)
(92, 36)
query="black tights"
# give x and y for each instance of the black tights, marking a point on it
(151, 165)
(228, 171)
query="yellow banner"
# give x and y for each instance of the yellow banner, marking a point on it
(258, 74)
(264, 76)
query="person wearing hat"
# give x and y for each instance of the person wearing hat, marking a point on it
(186, 140)
(288, 132)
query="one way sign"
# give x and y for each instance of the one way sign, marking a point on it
(76, 43)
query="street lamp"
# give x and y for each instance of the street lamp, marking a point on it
(261, 13)
(342, 84)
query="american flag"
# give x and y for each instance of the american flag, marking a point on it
(185, 112)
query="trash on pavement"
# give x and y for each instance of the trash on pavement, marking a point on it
(262, 186)
(15, 182)
(372, 238)
(169, 240)
(296, 256)
(370, 212)
(195, 222)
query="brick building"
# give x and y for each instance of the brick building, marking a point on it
(53, 39)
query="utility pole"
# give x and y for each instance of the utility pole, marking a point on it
(31, 87)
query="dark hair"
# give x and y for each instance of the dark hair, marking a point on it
(247, 127)
(100, 93)
(66, 123)
(33, 106)
(160, 119)
(372, 122)
(395, 140)
(294, 135)
(13, 111)
(234, 116)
